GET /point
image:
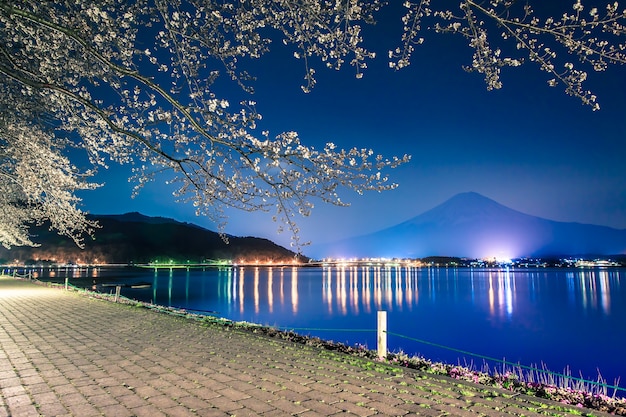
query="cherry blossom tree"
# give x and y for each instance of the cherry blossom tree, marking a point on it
(88, 83)
(37, 183)
(509, 33)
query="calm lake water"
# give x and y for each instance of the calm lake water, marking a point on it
(562, 318)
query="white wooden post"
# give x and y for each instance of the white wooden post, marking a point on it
(382, 334)
(118, 288)
(66, 282)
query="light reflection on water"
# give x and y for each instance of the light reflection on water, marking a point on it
(559, 317)
(344, 291)
(350, 290)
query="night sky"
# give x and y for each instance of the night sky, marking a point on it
(527, 146)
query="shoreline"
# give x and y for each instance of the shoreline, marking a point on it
(580, 264)
(564, 389)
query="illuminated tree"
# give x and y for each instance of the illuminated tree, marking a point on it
(37, 182)
(593, 37)
(87, 83)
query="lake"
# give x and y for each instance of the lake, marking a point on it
(560, 318)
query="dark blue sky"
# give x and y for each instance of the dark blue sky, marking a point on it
(527, 146)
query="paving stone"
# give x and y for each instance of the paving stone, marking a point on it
(173, 391)
(13, 381)
(233, 394)
(25, 411)
(358, 408)
(38, 388)
(86, 410)
(102, 400)
(225, 404)
(17, 401)
(117, 410)
(66, 389)
(72, 399)
(147, 391)
(256, 405)
(411, 408)
(32, 380)
(387, 409)
(13, 391)
(193, 402)
(130, 401)
(385, 399)
(45, 398)
(241, 386)
(204, 393)
(311, 413)
(147, 411)
(52, 409)
(321, 407)
(160, 384)
(288, 406)
(486, 411)
(179, 411)
(213, 412)
(162, 401)
(91, 390)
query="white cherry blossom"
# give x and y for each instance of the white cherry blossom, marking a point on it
(85, 84)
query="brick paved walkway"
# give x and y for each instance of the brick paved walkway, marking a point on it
(65, 354)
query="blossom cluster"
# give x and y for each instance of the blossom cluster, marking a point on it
(594, 36)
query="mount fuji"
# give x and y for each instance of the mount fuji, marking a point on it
(473, 226)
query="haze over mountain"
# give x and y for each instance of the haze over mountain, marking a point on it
(135, 238)
(471, 225)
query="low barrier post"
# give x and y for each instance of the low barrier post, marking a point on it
(382, 334)
(67, 280)
(118, 288)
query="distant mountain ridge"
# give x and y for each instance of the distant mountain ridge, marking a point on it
(136, 238)
(471, 225)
